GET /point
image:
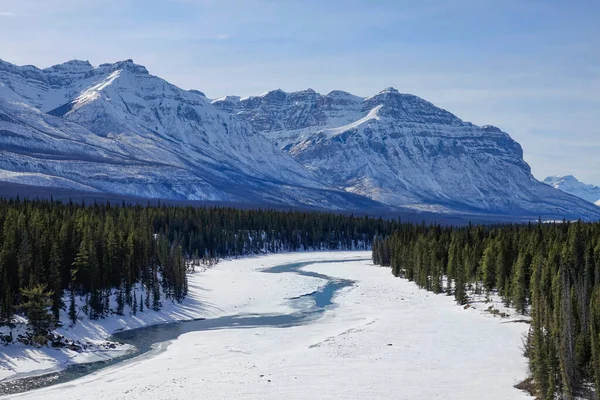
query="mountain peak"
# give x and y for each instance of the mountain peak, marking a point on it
(127, 65)
(410, 108)
(274, 91)
(64, 74)
(572, 185)
(391, 94)
(71, 64)
(274, 95)
(227, 99)
(306, 95)
(340, 96)
(491, 128)
(570, 178)
(551, 180)
(389, 90)
(339, 93)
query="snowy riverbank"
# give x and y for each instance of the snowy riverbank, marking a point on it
(222, 290)
(385, 338)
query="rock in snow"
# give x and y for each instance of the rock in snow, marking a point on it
(570, 184)
(118, 129)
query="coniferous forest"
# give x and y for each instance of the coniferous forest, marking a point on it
(103, 259)
(52, 254)
(550, 272)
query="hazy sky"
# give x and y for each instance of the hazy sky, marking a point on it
(531, 67)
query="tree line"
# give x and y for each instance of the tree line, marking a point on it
(548, 271)
(103, 259)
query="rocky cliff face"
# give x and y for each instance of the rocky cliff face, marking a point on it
(401, 150)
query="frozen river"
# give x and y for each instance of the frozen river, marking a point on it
(309, 325)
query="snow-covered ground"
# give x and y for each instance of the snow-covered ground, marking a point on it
(383, 339)
(223, 290)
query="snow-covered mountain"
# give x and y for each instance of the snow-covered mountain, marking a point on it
(118, 129)
(399, 149)
(571, 185)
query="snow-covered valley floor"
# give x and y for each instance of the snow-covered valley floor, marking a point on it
(382, 339)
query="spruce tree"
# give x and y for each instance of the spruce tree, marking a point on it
(55, 281)
(72, 307)
(489, 266)
(35, 305)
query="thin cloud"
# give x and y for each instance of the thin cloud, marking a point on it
(7, 14)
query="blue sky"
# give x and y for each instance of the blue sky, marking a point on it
(531, 67)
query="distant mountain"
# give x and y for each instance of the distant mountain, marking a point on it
(117, 129)
(399, 149)
(571, 185)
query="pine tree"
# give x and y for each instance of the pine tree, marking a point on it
(25, 259)
(36, 309)
(134, 307)
(519, 284)
(489, 266)
(120, 302)
(55, 280)
(595, 336)
(460, 292)
(72, 308)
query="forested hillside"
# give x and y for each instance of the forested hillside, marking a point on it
(549, 271)
(118, 256)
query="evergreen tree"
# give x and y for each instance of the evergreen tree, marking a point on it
(55, 281)
(489, 266)
(519, 284)
(72, 307)
(25, 259)
(35, 305)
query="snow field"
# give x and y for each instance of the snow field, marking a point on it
(223, 290)
(383, 339)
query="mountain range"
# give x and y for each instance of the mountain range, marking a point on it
(117, 129)
(571, 185)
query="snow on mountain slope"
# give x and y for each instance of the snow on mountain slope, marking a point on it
(128, 101)
(402, 150)
(39, 149)
(572, 185)
(44, 89)
(118, 129)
